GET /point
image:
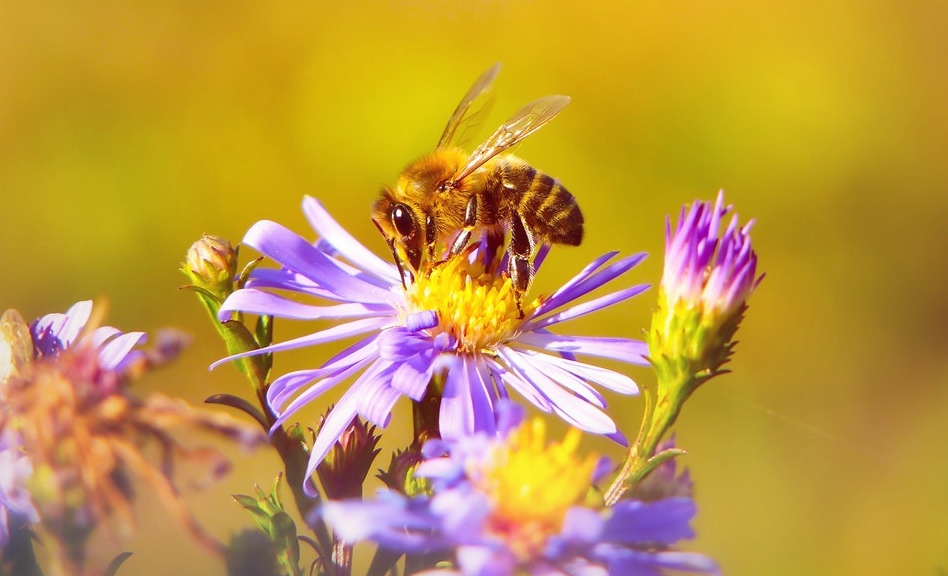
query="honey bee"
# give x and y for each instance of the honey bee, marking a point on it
(445, 196)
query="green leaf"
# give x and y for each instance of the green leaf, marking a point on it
(240, 404)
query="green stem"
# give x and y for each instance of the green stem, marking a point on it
(660, 415)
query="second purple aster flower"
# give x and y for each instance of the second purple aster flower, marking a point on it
(457, 333)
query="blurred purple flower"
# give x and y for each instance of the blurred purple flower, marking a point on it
(56, 332)
(457, 319)
(494, 509)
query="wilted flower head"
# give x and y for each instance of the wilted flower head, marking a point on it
(517, 504)
(459, 325)
(708, 277)
(85, 435)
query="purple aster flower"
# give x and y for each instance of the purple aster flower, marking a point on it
(512, 504)
(15, 470)
(56, 332)
(458, 318)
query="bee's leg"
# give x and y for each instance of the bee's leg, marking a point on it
(521, 247)
(495, 239)
(470, 221)
(431, 238)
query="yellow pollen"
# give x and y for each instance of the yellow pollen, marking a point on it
(532, 484)
(479, 309)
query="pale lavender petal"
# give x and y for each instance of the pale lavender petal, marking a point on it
(523, 386)
(602, 376)
(295, 253)
(112, 354)
(338, 332)
(586, 307)
(665, 521)
(466, 404)
(76, 318)
(337, 236)
(101, 334)
(555, 299)
(565, 378)
(315, 390)
(283, 387)
(573, 410)
(581, 286)
(631, 351)
(265, 303)
(339, 418)
(412, 376)
(377, 399)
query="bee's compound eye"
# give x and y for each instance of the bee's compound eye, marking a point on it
(402, 219)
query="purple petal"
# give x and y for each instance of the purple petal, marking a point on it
(341, 240)
(315, 390)
(665, 521)
(585, 282)
(602, 376)
(112, 354)
(586, 307)
(101, 335)
(338, 332)
(466, 403)
(565, 378)
(573, 410)
(333, 426)
(412, 376)
(76, 318)
(631, 351)
(285, 386)
(265, 303)
(377, 399)
(295, 253)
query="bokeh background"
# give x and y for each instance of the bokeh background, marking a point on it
(129, 129)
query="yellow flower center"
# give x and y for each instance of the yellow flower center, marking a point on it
(532, 484)
(478, 308)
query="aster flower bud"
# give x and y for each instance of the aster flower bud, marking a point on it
(347, 464)
(211, 264)
(268, 512)
(707, 280)
(400, 476)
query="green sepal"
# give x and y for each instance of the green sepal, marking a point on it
(245, 273)
(238, 339)
(656, 461)
(268, 513)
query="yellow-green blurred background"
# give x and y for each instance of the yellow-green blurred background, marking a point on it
(129, 129)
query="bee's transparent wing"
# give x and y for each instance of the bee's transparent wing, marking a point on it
(15, 337)
(526, 121)
(467, 116)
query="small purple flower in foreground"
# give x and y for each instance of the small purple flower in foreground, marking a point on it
(456, 319)
(707, 280)
(513, 504)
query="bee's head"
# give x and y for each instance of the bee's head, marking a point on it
(406, 229)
